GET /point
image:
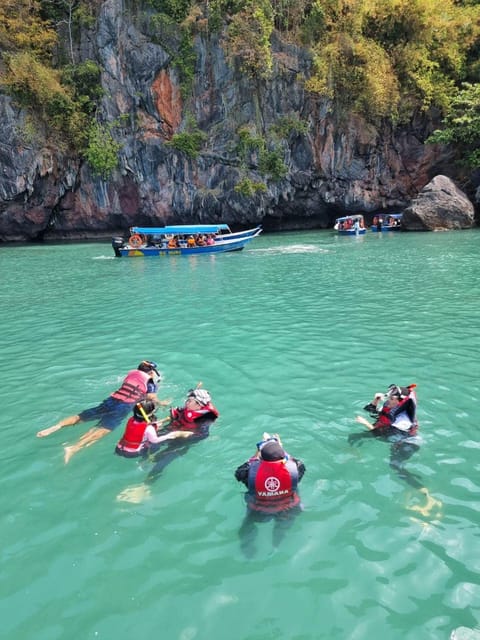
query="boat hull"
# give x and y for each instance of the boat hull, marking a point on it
(351, 232)
(384, 227)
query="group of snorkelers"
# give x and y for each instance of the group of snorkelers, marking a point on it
(271, 475)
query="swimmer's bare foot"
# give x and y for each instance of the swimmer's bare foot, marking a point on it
(431, 503)
(68, 453)
(135, 495)
(48, 431)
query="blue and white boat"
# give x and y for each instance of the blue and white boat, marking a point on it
(175, 240)
(390, 222)
(353, 225)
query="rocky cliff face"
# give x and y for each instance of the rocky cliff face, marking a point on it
(333, 166)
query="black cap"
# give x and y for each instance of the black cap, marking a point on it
(272, 451)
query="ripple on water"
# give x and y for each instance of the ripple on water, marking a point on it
(293, 336)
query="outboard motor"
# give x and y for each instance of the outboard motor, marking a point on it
(117, 244)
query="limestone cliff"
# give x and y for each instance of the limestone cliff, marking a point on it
(333, 165)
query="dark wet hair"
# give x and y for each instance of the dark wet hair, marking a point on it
(146, 407)
(148, 365)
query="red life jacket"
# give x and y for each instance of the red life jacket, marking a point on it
(383, 421)
(134, 387)
(185, 419)
(132, 439)
(272, 486)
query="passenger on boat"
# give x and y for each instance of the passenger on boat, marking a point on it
(272, 477)
(210, 239)
(396, 423)
(201, 241)
(191, 242)
(139, 384)
(140, 435)
(172, 242)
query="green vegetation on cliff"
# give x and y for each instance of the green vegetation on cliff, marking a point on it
(378, 58)
(462, 125)
(63, 96)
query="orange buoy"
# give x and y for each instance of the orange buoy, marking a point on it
(135, 241)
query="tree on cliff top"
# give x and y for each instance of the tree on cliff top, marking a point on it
(22, 28)
(462, 125)
(385, 57)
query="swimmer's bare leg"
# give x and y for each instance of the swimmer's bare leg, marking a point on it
(66, 422)
(86, 440)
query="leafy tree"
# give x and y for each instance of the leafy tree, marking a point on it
(248, 39)
(188, 143)
(288, 15)
(313, 27)
(428, 42)
(248, 143)
(380, 57)
(84, 78)
(68, 16)
(39, 89)
(102, 150)
(462, 125)
(286, 125)
(249, 188)
(23, 29)
(176, 9)
(271, 163)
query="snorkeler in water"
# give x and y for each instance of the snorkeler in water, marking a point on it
(184, 427)
(395, 421)
(139, 384)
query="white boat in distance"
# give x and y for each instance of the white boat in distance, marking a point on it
(353, 225)
(391, 222)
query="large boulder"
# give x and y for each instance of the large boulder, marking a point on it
(439, 206)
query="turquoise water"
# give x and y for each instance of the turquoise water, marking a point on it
(292, 335)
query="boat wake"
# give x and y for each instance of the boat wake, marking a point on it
(292, 248)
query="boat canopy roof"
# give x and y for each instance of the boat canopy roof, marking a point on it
(396, 216)
(354, 216)
(181, 229)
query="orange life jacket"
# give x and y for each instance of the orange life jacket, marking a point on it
(134, 387)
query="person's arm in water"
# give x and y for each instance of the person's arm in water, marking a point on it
(300, 467)
(365, 422)
(241, 473)
(153, 438)
(157, 401)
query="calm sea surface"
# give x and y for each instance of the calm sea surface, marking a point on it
(293, 335)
